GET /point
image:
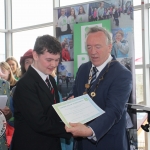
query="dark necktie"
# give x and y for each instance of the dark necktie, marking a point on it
(48, 83)
(94, 71)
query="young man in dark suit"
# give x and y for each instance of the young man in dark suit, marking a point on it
(110, 91)
(37, 126)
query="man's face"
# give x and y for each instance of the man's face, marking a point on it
(97, 48)
(46, 62)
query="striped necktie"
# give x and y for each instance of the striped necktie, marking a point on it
(48, 83)
(94, 71)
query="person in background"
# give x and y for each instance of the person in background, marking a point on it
(25, 61)
(120, 47)
(72, 19)
(14, 67)
(62, 21)
(4, 90)
(110, 90)
(95, 14)
(71, 49)
(82, 16)
(7, 74)
(100, 11)
(65, 53)
(37, 125)
(116, 17)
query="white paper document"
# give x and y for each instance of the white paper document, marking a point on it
(3, 101)
(81, 109)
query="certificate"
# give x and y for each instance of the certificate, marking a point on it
(81, 109)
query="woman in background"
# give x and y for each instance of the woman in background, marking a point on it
(4, 90)
(25, 61)
(82, 16)
(7, 74)
(72, 19)
(14, 67)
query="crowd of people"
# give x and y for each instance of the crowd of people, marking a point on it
(34, 90)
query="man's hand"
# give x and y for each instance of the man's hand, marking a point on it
(70, 98)
(79, 130)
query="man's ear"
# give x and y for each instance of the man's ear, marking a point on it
(35, 55)
(110, 47)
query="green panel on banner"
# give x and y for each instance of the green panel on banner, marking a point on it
(80, 30)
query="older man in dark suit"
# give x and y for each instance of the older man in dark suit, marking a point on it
(37, 126)
(110, 90)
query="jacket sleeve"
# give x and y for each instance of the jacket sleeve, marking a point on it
(117, 97)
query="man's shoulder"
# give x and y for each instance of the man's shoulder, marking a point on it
(118, 68)
(84, 65)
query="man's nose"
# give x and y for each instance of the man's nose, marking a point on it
(54, 63)
(93, 50)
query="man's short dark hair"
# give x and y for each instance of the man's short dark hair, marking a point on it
(47, 43)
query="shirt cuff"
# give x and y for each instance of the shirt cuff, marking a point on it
(93, 137)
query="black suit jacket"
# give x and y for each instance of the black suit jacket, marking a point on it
(37, 126)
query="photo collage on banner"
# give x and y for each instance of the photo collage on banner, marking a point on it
(72, 24)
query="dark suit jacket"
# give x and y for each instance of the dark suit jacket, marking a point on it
(111, 96)
(37, 126)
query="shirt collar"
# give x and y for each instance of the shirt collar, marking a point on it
(42, 75)
(101, 67)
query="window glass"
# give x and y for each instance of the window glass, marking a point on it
(31, 12)
(2, 15)
(67, 2)
(139, 86)
(149, 32)
(136, 2)
(23, 41)
(2, 47)
(138, 37)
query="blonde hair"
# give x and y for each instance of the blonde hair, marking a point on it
(11, 78)
(17, 72)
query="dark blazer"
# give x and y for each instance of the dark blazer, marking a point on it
(37, 126)
(111, 96)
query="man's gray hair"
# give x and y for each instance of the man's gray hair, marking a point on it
(97, 29)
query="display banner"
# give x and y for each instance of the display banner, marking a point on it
(72, 24)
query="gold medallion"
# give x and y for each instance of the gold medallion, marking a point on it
(93, 94)
(85, 93)
(87, 85)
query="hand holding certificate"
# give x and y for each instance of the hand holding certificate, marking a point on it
(81, 109)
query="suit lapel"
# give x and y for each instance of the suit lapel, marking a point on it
(101, 75)
(41, 83)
